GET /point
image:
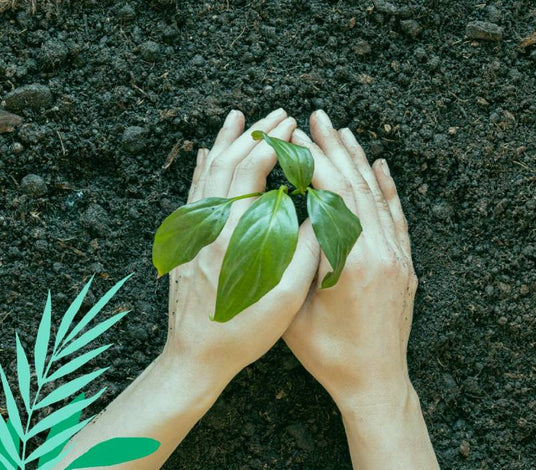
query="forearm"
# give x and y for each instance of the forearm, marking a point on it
(389, 435)
(163, 403)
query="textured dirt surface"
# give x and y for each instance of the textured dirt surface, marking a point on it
(111, 87)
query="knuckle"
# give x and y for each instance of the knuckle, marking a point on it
(361, 185)
(389, 189)
(380, 200)
(414, 281)
(245, 168)
(216, 165)
(405, 225)
(389, 263)
(346, 188)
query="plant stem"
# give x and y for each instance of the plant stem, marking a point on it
(237, 198)
(30, 411)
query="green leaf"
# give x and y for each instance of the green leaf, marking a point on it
(116, 451)
(94, 311)
(90, 335)
(188, 229)
(23, 371)
(11, 405)
(50, 464)
(296, 161)
(59, 427)
(61, 438)
(70, 388)
(76, 363)
(41, 343)
(5, 463)
(261, 247)
(336, 229)
(68, 317)
(9, 442)
(61, 417)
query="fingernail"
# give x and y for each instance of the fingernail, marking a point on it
(323, 118)
(231, 116)
(277, 112)
(385, 167)
(300, 135)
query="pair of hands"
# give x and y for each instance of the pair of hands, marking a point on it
(352, 337)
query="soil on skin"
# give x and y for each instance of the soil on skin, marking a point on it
(454, 116)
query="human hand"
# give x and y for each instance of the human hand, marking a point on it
(236, 165)
(353, 337)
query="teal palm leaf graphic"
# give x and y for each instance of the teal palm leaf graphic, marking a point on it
(63, 423)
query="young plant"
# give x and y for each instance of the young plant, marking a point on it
(63, 423)
(265, 238)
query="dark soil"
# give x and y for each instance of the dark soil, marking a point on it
(454, 116)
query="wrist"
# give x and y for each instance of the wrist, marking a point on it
(374, 395)
(368, 409)
(192, 380)
(392, 433)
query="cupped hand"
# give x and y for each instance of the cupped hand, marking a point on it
(236, 165)
(353, 337)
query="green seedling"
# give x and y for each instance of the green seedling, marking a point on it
(264, 241)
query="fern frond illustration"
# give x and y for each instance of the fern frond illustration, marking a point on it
(63, 423)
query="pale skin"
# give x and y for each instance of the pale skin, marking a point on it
(351, 337)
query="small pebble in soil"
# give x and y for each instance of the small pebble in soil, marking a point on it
(150, 51)
(134, 139)
(318, 103)
(8, 121)
(420, 54)
(411, 28)
(302, 437)
(95, 220)
(52, 53)
(362, 47)
(198, 60)
(483, 30)
(126, 13)
(442, 211)
(434, 62)
(376, 148)
(381, 6)
(494, 14)
(464, 449)
(33, 185)
(17, 148)
(33, 96)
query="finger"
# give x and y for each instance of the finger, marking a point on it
(233, 127)
(251, 173)
(221, 168)
(388, 189)
(326, 177)
(202, 154)
(329, 141)
(361, 163)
